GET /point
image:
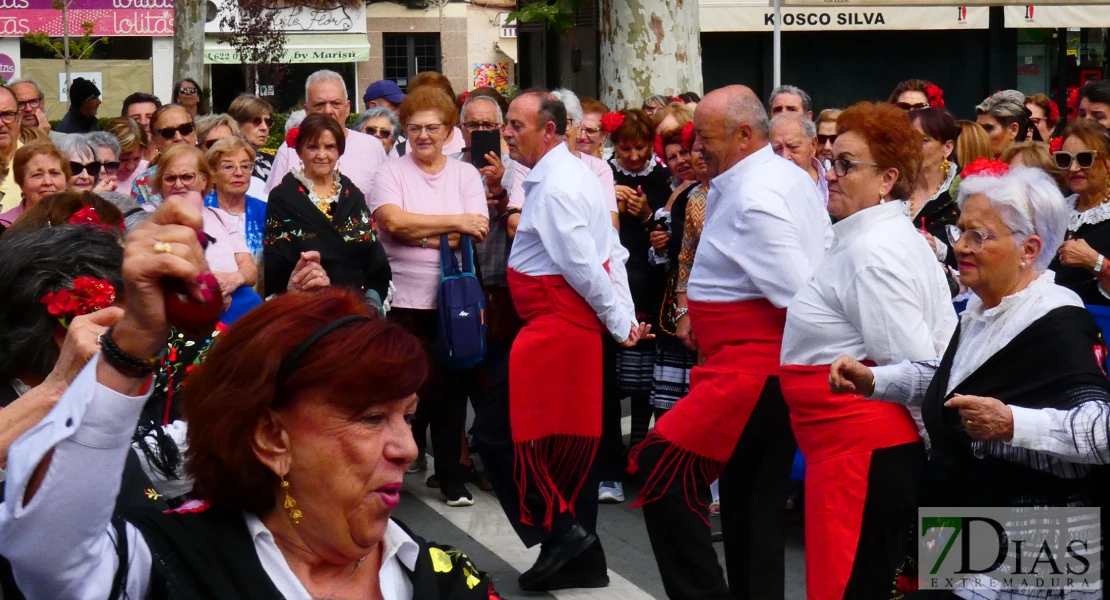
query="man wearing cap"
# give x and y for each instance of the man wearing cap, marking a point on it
(84, 100)
(388, 94)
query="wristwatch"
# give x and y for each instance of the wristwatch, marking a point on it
(680, 312)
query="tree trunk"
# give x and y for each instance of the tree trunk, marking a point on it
(649, 47)
(188, 39)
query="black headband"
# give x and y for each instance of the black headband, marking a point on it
(290, 361)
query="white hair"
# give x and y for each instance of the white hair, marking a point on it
(744, 109)
(471, 99)
(570, 100)
(1028, 202)
(1006, 105)
(104, 139)
(809, 128)
(321, 76)
(294, 119)
(75, 146)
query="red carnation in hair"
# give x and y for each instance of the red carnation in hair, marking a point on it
(935, 95)
(688, 135)
(462, 99)
(291, 137)
(85, 216)
(1056, 144)
(610, 122)
(983, 167)
(677, 99)
(1053, 111)
(658, 146)
(87, 295)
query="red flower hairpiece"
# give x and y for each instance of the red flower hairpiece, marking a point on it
(1053, 112)
(462, 98)
(658, 146)
(688, 135)
(982, 167)
(677, 99)
(89, 216)
(291, 137)
(935, 95)
(1056, 144)
(87, 295)
(611, 122)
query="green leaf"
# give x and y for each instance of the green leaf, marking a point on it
(558, 14)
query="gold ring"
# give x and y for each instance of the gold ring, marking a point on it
(162, 247)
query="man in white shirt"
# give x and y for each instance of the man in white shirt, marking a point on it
(794, 137)
(326, 93)
(765, 230)
(567, 278)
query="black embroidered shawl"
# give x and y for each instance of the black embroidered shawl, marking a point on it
(348, 243)
(1042, 367)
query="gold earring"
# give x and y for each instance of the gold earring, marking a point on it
(295, 514)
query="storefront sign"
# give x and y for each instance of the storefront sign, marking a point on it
(63, 95)
(300, 48)
(1051, 17)
(109, 17)
(7, 68)
(728, 15)
(300, 19)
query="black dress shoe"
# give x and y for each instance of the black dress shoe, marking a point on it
(566, 579)
(556, 554)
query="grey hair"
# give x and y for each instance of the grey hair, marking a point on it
(104, 139)
(1006, 106)
(74, 145)
(478, 98)
(38, 262)
(1029, 202)
(745, 109)
(207, 123)
(32, 82)
(809, 128)
(133, 213)
(321, 76)
(379, 111)
(570, 100)
(294, 119)
(552, 110)
(807, 102)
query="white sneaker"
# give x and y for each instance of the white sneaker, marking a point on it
(610, 492)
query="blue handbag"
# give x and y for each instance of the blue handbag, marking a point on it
(461, 304)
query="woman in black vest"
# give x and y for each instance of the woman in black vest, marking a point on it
(298, 474)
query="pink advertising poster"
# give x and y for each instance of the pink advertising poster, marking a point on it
(109, 17)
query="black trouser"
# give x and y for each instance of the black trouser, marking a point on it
(492, 431)
(753, 488)
(611, 463)
(442, 400)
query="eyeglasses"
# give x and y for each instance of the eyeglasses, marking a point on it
(825, 139)
(8, 116)
(184, 178)
(591, 131)
(188, 91)
(842, 165)
(972, 237)
(382, 133)
(414, 131)
(184, 129)
(110, 166)
(258, 121)
(473, 126)
(1084, 159)
(93, 168)
(34, 104)
(914, 106)
(230, 168)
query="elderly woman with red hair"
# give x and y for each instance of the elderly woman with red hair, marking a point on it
(297, 476)
(879, 296)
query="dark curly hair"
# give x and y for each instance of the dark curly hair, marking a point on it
(34, 263)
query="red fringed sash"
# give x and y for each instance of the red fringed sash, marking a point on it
(837, 434)
(741, 342)
(555, 389)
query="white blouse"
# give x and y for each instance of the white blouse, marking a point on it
(61, 543)
(766, 228)
(879, 295)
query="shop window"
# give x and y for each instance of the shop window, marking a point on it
(407, 54)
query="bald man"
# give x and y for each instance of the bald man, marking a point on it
(765, 230)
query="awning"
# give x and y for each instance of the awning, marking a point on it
(1084, 15)
(299, 48)
(731, 15)
(507, 46)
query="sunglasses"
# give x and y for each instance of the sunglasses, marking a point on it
(207, 144)
(184, 129)
(908, 106)
(1084, 159)
(110, 166)
(258, 121)
(189, 91)
(93, 168)
(382, 133)
(825, 139)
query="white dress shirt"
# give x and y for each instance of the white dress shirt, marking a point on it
(879, 295)
(984, 332)
(566, 230)
(61, 544)
(766, 228)
(360, 159)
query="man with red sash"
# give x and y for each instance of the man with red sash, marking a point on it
(567, 279)
(765, 230)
